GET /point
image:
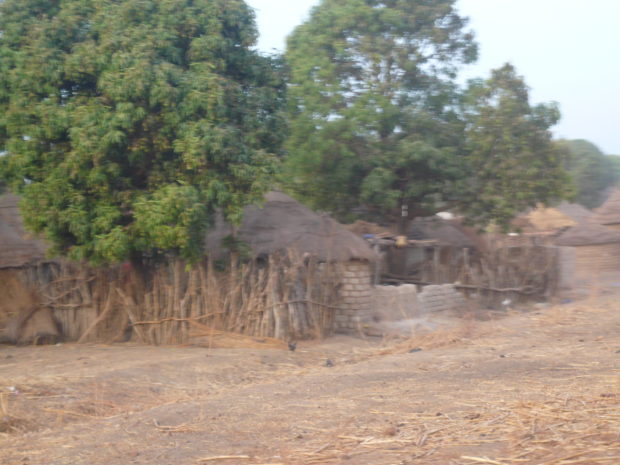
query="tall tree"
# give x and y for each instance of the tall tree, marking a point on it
(592, 171)
(126, 123)
(372, 103)
(510, 160)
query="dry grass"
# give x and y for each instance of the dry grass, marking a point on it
(563, 429)
(9, 423)
(32, 407)
(206, 336)
(552, 401)
(464, 333)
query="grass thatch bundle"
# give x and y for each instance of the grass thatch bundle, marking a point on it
(588, 234)
(609, 212)
(576, 212)
(549, 219)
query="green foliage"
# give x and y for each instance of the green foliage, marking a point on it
(377, 120)
(592, 171)
(128, 122)
(511, 161)
(372, 103)
(614, 163)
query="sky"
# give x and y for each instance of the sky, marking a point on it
(565, 49)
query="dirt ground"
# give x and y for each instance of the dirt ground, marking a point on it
(539, 387)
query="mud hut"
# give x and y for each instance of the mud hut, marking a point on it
(22, 317)
(446, 233)
(545, 221)
(305, 276)
(589, 256)
(549, 220)
(17, 249)
(284, 226)
(608, 214)
(574, 211)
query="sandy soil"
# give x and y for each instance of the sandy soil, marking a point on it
(541, 387)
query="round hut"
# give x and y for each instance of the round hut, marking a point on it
(608, 214)
(446, 233)
(574, 211)
(589, 255)
(16, 248)
(439, 247)
(283, 225)
(22, 320)
(548, 221)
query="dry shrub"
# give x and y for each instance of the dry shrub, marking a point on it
(461, 334)
(9, 423)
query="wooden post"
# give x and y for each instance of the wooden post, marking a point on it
(377, 266)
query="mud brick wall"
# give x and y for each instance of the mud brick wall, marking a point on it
(356, 294)
(439, 298)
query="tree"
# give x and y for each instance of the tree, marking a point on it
(127, 123)
(592, 171)
(510, 160)
(373, 105)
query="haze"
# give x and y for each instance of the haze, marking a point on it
(565, 49)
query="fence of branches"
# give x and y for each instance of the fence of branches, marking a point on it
(284, 296)
(504, 269)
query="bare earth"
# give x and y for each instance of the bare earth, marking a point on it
(541, 388)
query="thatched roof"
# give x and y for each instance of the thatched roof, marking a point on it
(576, 212)
(609, 212)
(283, 224)
(361, 227)
(588, 234)
(17, 248)
(443, 231)
(549, 219)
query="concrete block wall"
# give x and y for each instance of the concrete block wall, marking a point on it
(440, 298)
(393, 303)
(356, 297)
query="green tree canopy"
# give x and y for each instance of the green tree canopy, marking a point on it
(128, 122)
(511, 162)
(372, 102)
(592, 171)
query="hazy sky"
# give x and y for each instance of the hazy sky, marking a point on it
(565, 49)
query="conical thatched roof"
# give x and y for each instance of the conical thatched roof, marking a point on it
(443, 231)
(588, 234)
(283, 224)
(549, 219)
(16, 247)
(576, 212)
(609, 212)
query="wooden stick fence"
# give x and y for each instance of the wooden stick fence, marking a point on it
(283, 297)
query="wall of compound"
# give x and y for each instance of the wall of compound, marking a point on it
(356, 297)
(440, 298)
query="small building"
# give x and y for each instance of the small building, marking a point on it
(574, 211)
(17, 248)
(436, 248)
(303, 276)
(447, 233)
(545, 221)
(282, 225)
(22, 318)
(608, 214)
(589, 256)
